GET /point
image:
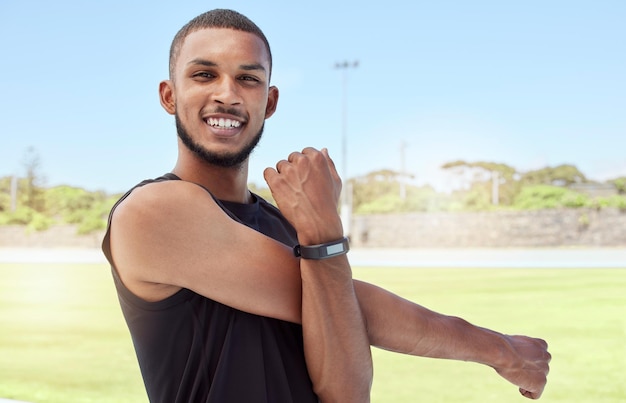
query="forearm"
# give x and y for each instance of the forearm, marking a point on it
(396, 324)
(335, 339)
(399, 325)
(306, 188)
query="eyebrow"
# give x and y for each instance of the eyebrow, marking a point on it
(253, 67)
(247, 67)
(202, 62)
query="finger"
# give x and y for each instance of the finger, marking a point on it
(269, 174)
(280, 165)
(329, 160)
(309, 150)
(529, 394)
(293, 156)
(543, 343)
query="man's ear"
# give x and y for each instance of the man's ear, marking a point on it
(272, 101)
(166, 96)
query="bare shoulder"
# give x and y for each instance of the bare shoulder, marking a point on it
(165, 211)
(164, 216)
(154, 199)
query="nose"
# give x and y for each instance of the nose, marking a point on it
(226, 92)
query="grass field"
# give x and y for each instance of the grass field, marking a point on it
(63, 339)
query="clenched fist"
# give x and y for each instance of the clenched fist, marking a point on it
(306, 188)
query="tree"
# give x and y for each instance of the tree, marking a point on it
(373, 186)
(32, 185)
(487, 181)
(383, 191)
(561, 175)
(620, 184)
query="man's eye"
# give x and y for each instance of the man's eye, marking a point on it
(249, 78)
(202, 74)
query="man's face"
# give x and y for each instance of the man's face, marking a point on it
(220, 94)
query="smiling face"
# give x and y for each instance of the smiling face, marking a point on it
(220, 95)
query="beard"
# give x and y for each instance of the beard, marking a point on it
(222, 160)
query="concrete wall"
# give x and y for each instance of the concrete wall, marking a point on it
(542, 228)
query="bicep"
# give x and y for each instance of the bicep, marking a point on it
(175, 234)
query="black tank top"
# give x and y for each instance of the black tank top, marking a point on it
(193, 349)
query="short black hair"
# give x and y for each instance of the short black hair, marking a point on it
(218, 18)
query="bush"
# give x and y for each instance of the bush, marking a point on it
(389, 203)
(546, 196)
(620, 185)
(87, 210)
(575, 200)
(39, 222)
(477, 199)
(91, 224)
(33, 220)
(616, 201)
(21, 216)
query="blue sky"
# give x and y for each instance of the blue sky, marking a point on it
(526, 83)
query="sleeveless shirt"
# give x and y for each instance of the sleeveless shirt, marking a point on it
(193, 349)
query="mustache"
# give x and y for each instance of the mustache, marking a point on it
(230, 111)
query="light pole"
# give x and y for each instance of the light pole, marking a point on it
(403, 174)
(13, 193)
(346, 194)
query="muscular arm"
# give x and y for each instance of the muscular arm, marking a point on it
(331, 321)
(306, 188)
(399, 325)
(169, 235)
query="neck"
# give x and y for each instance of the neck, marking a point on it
(228, 184)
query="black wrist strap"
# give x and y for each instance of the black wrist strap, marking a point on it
(322, 251)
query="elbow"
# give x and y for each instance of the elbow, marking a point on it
(355, 391)
(352, 385)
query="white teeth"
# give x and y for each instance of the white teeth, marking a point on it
(224, 123)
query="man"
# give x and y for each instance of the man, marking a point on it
(220, 304)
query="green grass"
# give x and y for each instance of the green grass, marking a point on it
(63, 338)
(580, 312)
